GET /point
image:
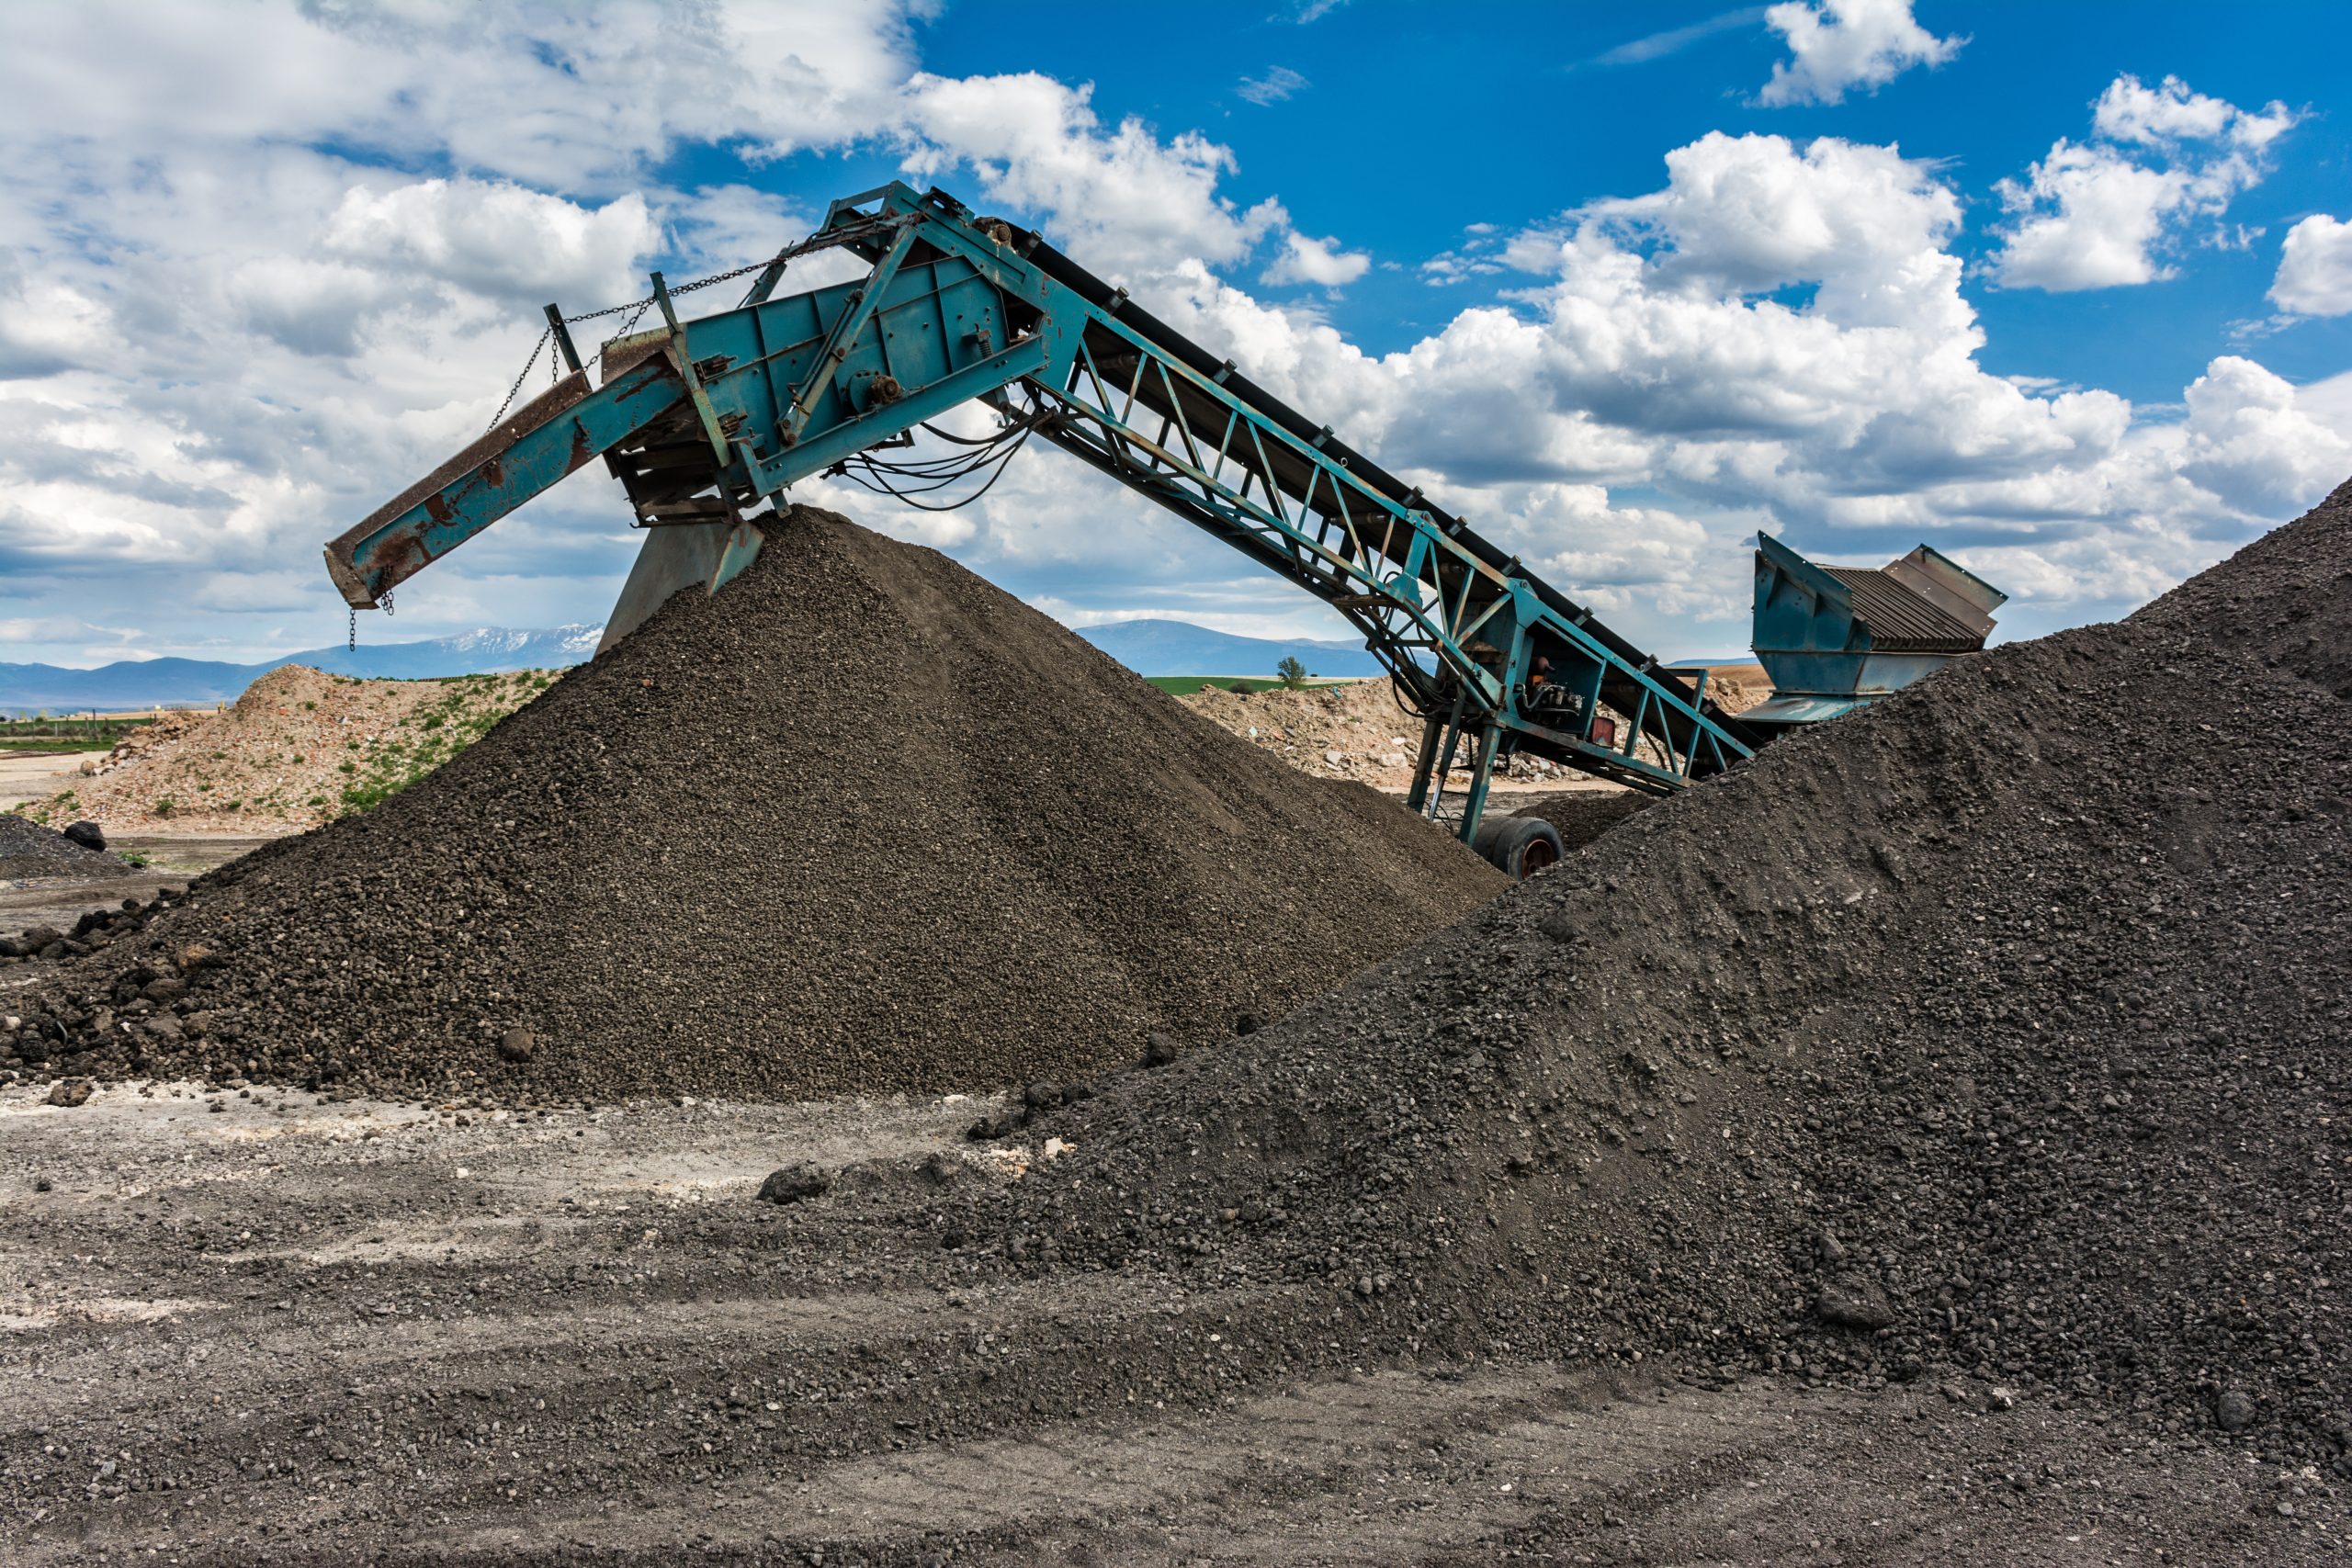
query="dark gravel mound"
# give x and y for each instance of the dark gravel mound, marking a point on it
(1995, 1036)
(861, 823)
(29, 850)
(2282, 599)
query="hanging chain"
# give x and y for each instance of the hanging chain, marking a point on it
(521, 376)
(637, 308)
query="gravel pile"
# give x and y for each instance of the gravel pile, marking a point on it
(27, 850)
(1994, 1037)
(860, 824)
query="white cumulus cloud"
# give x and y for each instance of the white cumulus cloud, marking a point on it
(1835, 45)
(2248, 442)
(1125, 197)
(2316, 268)
(2107, 212)
(1305, 259)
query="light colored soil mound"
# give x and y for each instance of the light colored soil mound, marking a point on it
(298, 749)
(1356, 730)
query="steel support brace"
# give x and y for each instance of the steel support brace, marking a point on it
(1425, 764)
(681, 357)
(1474, 804)
(837, 342)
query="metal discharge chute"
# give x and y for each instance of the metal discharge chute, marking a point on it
(705, 421)
(1834, 639)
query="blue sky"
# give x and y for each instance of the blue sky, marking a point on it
(1420, 119)
(2070, 297)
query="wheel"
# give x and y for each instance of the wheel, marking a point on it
(1518, 846)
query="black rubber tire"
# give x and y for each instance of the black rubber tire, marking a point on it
(1519, 847)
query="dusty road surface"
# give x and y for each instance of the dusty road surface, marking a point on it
(157, 861)
(297, 1331)
(37, 776)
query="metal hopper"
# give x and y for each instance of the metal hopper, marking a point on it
(1834, 637)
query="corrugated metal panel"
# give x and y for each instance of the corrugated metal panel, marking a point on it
(1901, 621)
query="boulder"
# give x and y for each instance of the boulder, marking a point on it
(792, 1183)
(1854, 1301)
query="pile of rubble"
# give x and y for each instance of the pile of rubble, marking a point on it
(1993, 1037)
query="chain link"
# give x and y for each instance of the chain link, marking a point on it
(820, 241)
(823, 240)
(547, 335)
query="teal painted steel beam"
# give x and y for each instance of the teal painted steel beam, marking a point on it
(540, 444)
(956, 308)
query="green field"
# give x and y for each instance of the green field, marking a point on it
(64, 734)
(1185, 685)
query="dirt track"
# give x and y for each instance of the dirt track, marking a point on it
(364, 1332)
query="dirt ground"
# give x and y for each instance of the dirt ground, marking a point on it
(1354, 729)
(308, 1332)
(35, 775)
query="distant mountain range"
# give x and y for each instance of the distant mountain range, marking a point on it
(1148, 648)
(1179, 647)
(190, 682)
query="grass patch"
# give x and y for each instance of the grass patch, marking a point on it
(1185, 685)
(45, 734)
(448, 727)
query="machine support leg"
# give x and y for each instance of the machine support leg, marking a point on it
(1444, 764)
(1473, 807)
(1424, 764)
(1445, 756)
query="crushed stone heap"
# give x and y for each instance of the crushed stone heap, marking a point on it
(1994, 1037)
(861, 823)
(30, 851)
